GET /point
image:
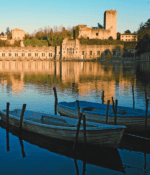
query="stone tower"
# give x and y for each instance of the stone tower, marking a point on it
(110, 22)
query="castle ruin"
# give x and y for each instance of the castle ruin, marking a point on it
(110, 25)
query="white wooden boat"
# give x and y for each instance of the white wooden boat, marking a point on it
(65, 128)
(133, 119)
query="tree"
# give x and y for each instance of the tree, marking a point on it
(110, 38)
(118, 36)
(143, 45)
(147, 24)
(2, 33)
(8, 32)
(127, 31)
(99, 26)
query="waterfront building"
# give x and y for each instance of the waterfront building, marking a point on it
(128, 37)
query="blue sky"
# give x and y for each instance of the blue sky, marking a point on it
(31, 15)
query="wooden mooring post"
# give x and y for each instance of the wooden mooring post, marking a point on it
(107, 110)
(7, 126)
(133, 95)
(147, 100)
(84, 127)
(21, 117)
(7, 107)
(102, 97)
(80, 115)
(56, 101)
(114, 106)
(77, 132)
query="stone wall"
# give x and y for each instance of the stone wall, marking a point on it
(110, 25)
(14, 53)
(18, 34)
(72, 49)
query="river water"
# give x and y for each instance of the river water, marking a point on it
(32, 82)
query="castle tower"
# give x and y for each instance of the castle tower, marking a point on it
(110, 22)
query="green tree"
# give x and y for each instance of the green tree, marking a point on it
(127, 31)
(143, 45)
(2, 33)
(118, 36)
(8, 32)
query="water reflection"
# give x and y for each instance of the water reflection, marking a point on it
(84, 78)
(99, 156)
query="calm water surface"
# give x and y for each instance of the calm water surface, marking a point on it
(32, 82)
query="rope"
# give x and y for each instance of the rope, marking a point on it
(138, 136)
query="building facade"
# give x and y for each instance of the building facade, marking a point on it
(128, 37)
(3, 37)
(18, 34)
(14, 53)
(72, 49)
(110, 25)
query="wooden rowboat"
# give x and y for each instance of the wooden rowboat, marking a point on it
(133, 119)
(64, 128)
(96, 155)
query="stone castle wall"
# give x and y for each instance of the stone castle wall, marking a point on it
(110, 26)
(14, 53)
(73, 49)
(70, 49)
(18, 34)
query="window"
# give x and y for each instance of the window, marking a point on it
(82, 52)
(23, 54)
(51, 54)
(114, 52)
(36, 54)
(9, 54)
(29, 54)
(43, 54)
(90, 52)
(106, 52)
(98, 52)
(16, 54)
(96, 34)
(87, 37)
(3, 54)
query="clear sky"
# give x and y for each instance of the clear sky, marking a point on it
(31, 15)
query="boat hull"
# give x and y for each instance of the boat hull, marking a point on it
(132, 123)
(103, 137)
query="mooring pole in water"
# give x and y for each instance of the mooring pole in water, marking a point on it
(77, 132)
(56, 100)
(84, 127)
(78, 107)
(102, 97)
(133, 95)
(7, 114)
(115, 114)
(114, 106)
(21, 117)
(7, 127)
(107, 110)
(147, 100)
